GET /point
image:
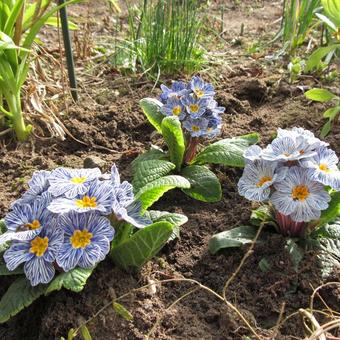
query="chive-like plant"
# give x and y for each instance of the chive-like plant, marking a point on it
(185, 116)
(297, 180)
(20, 22)
(67, 222)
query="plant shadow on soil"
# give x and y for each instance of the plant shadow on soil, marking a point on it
(253, 104)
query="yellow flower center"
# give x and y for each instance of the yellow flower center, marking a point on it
(195, 128)
(263, 180)
(324, 167)
(176, 110)
(86, 202)
(78, 180)
(39, 246)
(35, 224)
(300, 192)
(199, 93)
(80, 238)
(194, 108)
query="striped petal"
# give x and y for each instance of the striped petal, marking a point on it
(37, 270)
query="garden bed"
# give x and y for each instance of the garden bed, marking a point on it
(112, 128)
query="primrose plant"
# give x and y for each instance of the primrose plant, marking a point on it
(67, 222)
(186, 115)
(298, 179)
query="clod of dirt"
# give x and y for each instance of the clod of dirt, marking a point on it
(233, 105)
(94, 162)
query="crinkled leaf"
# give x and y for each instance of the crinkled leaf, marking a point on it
(175, 219)
(333, 210)
(227, 151)
(5, 272)
(205, 186)
(142, 245)
(295, 253)
(148, 171)
(122, 311)
(319, 95)
(236, 237)
(154, 153)
(174, 138)
(151, 192)
(19, 295)
(152, 110)
(74, 280)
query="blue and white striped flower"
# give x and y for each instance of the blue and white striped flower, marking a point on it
(253, 153)
(177, 90)
(98, 197)
(38, 185)
(288, 149)
(215, 109)
(299, 196)
(86, 240)
(196, 127)
(201, 89)
(324, 164)
(38, 255)
(71, 182)
(123, 192)
(195, 107)
(257, 179)
(174, 107)
(131, 214)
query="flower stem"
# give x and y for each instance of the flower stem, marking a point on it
(14, 104)
(288, 227)
(191, 150)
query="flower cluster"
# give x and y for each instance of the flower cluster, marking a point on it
(293, 173)
(63, 221)
(194, 105)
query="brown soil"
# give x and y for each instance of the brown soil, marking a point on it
(114, 129)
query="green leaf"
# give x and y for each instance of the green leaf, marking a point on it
(236, 237)
(71, 334)
(53, 21)
(174, 138)
(295, 253)
(175, 219)
(264, 265)
(3, 228)
(332, 211)
(325, 129)
(332, 9)
(315, 58)
(85, 333)
(122, 311)
(261, 214)
(331, 112)
(205, 186)
(152, 110)
(153, 191)
(319, 95)
(148, 171)
(227, 151)
(19, 295)
(142, 245)
(74, 280)
(5, 272)
(327, 21)
(152, 154)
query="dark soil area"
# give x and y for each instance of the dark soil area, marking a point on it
(112, 128)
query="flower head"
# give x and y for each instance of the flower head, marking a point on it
(174, 107)
(324, 164)
(86, 240)
(201, 89)
(98, 197)
(287, 149)
(38, 254)
(257, 179)
(38, 185)
(177, 90)
(252, 153)
(299, 196)
(123, 192)
(195, 106)
(196, 127)
(71, 182)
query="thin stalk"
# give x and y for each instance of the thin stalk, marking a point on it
(18, 26)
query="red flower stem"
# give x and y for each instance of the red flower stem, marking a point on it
(191, 150)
